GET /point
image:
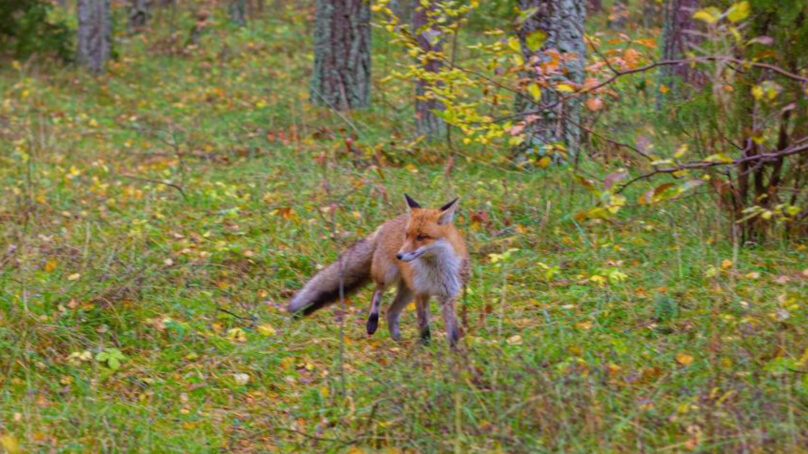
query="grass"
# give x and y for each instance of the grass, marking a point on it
(653, 333)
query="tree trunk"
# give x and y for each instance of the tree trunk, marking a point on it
(427, 124)
(238, 12)
(94, 34)
(618, 15)
(555, 133)
(678, 38)
(139, 14)
(403, 9)
(341, 77)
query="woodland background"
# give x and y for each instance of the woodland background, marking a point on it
(633, 179)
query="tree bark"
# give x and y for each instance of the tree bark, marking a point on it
(341, 77)
(677, 39)
(139, 14)
(403, 9)
(238, 12)
(427, 123)
(555, 133)
(94, 34)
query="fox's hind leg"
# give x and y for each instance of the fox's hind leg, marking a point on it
(403, 297)
(375, 308)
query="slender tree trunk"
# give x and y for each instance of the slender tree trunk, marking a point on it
(238, 12)
(403, 9)
(427, 123)
(341, 77)
(555, 133)
(678, 38)
(139, 14)
(618, 15)
(94, 34)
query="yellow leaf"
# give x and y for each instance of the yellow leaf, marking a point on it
(726, 263)
(534, 91)
(266, 329)
(585, 326)
(544, 162)
(663, 88)
(738, 12)
(73, 277)
(757, 91)
(684, 359)
(513, 43)
(566, 88)
(598, 279)
(10, 444)
(237, 335)
(719, 157)
(707, 15)
(51, 265)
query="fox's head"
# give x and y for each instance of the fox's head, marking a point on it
(426, 231)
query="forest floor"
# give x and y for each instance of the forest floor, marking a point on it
(154, 220)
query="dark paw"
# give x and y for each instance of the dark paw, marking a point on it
(454, 336)
(426, 337)
(373, 323)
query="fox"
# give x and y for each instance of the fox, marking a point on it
(420, 252)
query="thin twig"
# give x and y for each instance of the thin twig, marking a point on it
(758, 158)
(150, 180)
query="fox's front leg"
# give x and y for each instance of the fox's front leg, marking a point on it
(422, 310)
(402, 299)
(447, 308)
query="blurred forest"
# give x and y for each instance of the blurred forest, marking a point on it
(633, 183)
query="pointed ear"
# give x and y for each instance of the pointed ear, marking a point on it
(447, 212)
(411, 203)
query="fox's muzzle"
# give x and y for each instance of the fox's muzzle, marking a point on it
(409, 256)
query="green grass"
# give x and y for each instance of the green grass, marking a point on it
(686, 352)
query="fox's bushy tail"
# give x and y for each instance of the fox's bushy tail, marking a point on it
(323, 288)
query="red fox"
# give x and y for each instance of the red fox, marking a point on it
(420, 252)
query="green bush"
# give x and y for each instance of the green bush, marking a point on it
(26, 29)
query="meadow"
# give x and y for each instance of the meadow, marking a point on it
(154, 221)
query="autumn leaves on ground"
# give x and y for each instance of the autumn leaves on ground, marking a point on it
(156, 218)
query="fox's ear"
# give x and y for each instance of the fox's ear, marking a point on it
(447, 212)
(411, 203)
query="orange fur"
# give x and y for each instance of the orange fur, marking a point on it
(422, 253)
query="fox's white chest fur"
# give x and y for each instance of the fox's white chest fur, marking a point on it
(437, 273)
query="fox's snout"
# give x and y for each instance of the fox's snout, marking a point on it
(409, 256)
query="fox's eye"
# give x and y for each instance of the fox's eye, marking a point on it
(421, 237)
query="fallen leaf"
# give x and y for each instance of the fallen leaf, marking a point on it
(684, 359)
(266, 329)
